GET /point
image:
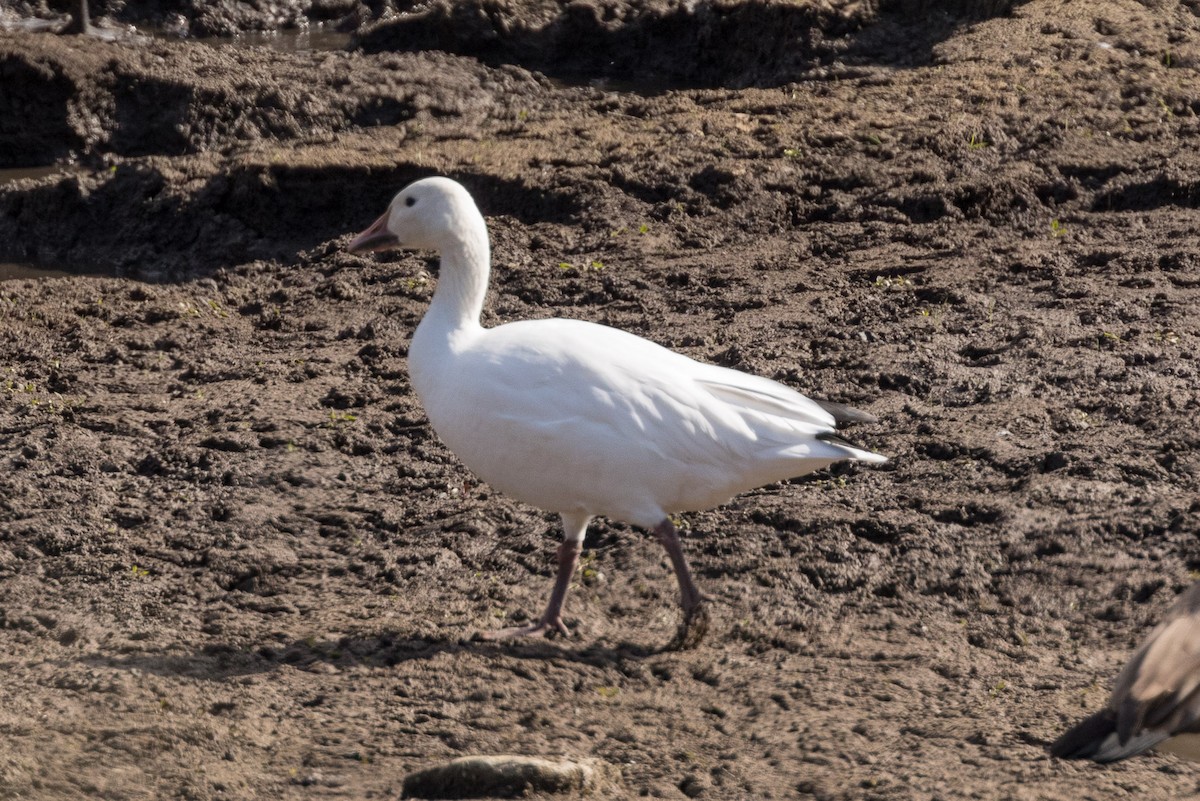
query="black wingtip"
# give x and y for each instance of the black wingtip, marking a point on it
(1096, 738)
(847, 414)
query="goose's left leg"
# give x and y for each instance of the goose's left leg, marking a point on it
(551, 622)
(695, 613)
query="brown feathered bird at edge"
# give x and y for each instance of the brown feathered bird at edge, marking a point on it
(1156, 696)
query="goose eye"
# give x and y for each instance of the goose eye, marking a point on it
(410, 201)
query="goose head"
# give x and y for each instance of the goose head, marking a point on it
(430, 214)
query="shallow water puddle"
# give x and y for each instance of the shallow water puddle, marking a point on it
(12, 174)
(13, 271)
(1184, 745)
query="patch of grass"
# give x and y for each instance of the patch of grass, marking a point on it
(338, 418)
(596, 265)
(831, 483)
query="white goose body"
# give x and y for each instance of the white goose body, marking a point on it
(571, 416)
(583, 419)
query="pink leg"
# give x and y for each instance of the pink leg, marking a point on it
(550, 622)
(695, 614)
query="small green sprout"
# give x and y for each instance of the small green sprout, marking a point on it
(1057, 228)
(593, 265)
(643, 228)
(977, 142)
(792, 153)
(138, 572)
(680, 522)
(608, 692)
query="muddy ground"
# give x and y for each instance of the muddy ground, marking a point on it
(236, 563)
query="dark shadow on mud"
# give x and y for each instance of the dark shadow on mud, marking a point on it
(34, 112)
(126, 222)
(1162, 190)
(221, 662)
(651, 46)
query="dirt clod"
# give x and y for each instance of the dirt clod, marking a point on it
(509, 776)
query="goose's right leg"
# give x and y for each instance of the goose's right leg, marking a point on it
(695, 614)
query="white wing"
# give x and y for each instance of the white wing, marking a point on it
(571, 415)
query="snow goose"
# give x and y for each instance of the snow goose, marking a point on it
(1156, 696)
(585, 420)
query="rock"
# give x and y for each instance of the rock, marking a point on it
(509, 776)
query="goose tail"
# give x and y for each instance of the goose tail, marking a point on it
(849, 449)
(844, 414)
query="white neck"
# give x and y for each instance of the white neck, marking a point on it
(462, 279)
